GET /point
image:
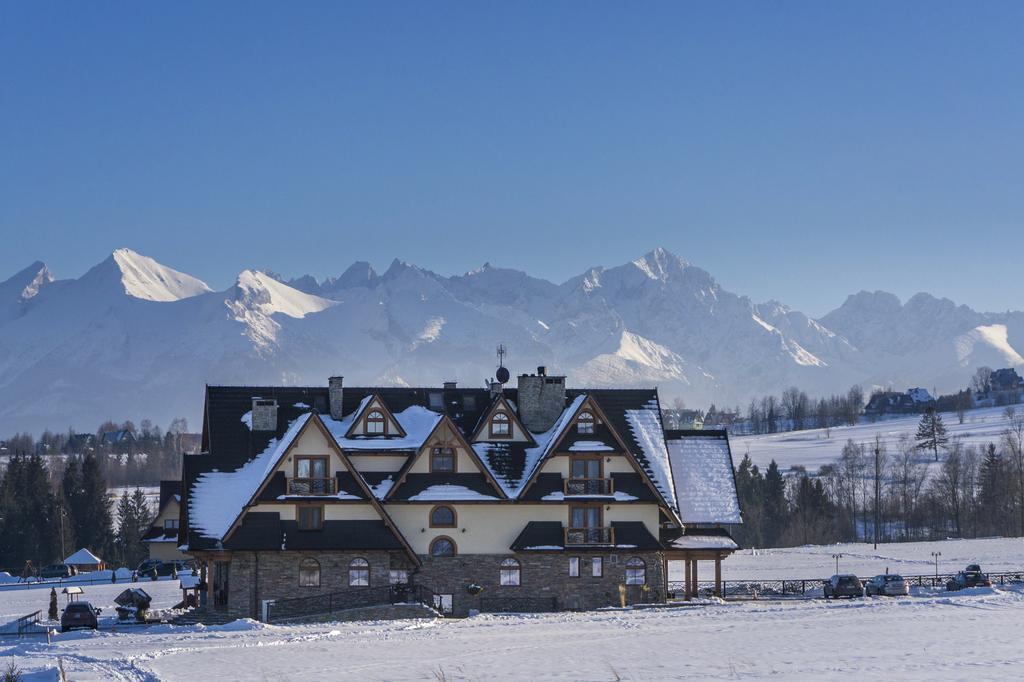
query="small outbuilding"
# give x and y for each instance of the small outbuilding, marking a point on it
(84, 561)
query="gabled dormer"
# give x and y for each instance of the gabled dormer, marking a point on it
(446, 468)
(373, 419)
(501, 424)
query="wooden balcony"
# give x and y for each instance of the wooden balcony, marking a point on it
(311, 486)
(583, 537)
(583, 487)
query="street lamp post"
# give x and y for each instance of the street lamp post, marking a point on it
(936, 555)
(837, 557)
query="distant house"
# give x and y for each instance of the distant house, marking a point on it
(84, 561)
(684, 419)
(1005, 387)
(80, 443)
(120, 441)
(162, 537)
(915, 400)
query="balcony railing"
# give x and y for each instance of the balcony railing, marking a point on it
(589, 486)
(311, 486)
(598, 535)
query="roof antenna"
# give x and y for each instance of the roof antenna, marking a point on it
(502, 373)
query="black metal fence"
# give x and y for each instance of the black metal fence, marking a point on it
(811, 587)
(355, 598)
(73, 581)
(518, 604)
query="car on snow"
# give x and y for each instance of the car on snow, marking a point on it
(969, 577)
(57, 571)
(887, 585)
(79, 614)
(843, 585)
(145, 569)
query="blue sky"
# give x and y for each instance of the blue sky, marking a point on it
(797, 151)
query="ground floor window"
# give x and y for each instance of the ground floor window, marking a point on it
(359, 573)
(309, 573)
(597, 566)
(510, 572)
(398, 577)
(574, 567)
(636, 571)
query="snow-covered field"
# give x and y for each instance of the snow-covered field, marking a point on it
(973, 634)
(19, 601)
(813, 448)
(933, 635)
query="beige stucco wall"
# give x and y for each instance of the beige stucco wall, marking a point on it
(613, 464)
(377, 462)
(311, 442)
(164, 551)
(170, 511)
(332, 512)
(491, 528)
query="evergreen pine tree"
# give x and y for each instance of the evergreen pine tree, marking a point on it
(92, 519)
(53, 614)
(750, 490)
(931, 432)
(776, 510)
(993, 494)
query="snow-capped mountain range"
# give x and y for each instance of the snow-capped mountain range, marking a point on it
(133, 338)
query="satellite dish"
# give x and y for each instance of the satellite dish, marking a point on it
(502, 375)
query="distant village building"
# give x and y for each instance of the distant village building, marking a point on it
(539, 497)
(913, 401)
(162, 538)
(80, 443)
(120, 441)
(1005, 387)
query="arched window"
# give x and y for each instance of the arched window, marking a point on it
(309, 573)
(359, 573)
(636, 571)
(442, 546)
(510, 572)
(375, 422)
(585, 423)
(442, 516)
(500, 425)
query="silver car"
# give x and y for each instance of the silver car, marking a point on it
(887, 585)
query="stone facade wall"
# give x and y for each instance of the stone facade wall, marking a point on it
(279, 576)
(542, 575)
(541, 401)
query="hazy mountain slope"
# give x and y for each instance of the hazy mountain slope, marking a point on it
(132, 338)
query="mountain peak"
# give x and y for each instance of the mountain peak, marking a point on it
(660, 264)
(27, 282)
(144, 278)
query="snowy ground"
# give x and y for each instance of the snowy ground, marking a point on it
(972, 634)
(19, 601)
(910, 558)
(814, 447)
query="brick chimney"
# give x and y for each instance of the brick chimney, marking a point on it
(541, 399)
(335, 393)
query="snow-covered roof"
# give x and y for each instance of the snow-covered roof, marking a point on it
(218, 497)
(448, 492)
(705, 542)
(417, 422)
(649, 435)
(82, 557)
(705, 486)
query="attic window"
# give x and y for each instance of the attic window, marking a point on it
(585, 423)
(436, 400)
(500, 425)
(469, 402)
(442, 460)
(375, 422)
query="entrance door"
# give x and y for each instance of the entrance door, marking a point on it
(221, 573)
(311, 474)
(586, 468)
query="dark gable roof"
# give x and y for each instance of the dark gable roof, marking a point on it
(168, 489)
(266, 530)
(507, 461)
(546, 536)
(414, 484)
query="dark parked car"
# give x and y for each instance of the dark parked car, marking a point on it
(971, 577)
(79, 614)
(57, 571)
(843, 585)
(887, 585)
(145, 569)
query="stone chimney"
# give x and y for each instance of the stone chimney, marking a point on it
(264, 414)
(541, 400)
(450, 385)
(496, 389)
(335, 392)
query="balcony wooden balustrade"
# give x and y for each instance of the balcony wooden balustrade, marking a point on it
(582, 487)
(311, 486)
(595, 535)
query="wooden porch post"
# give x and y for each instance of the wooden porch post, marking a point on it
(686, 584)
(696, 589)
(718, 575)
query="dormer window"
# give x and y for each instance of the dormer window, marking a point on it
(500, 425)
(375, 422)
(585, 423)
(442, 460)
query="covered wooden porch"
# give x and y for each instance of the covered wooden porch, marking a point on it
(694, 546)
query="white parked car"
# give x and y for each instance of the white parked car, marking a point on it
(888, 585)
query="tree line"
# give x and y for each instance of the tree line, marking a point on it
(46, 513)
(888, 491)
(143, 458)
